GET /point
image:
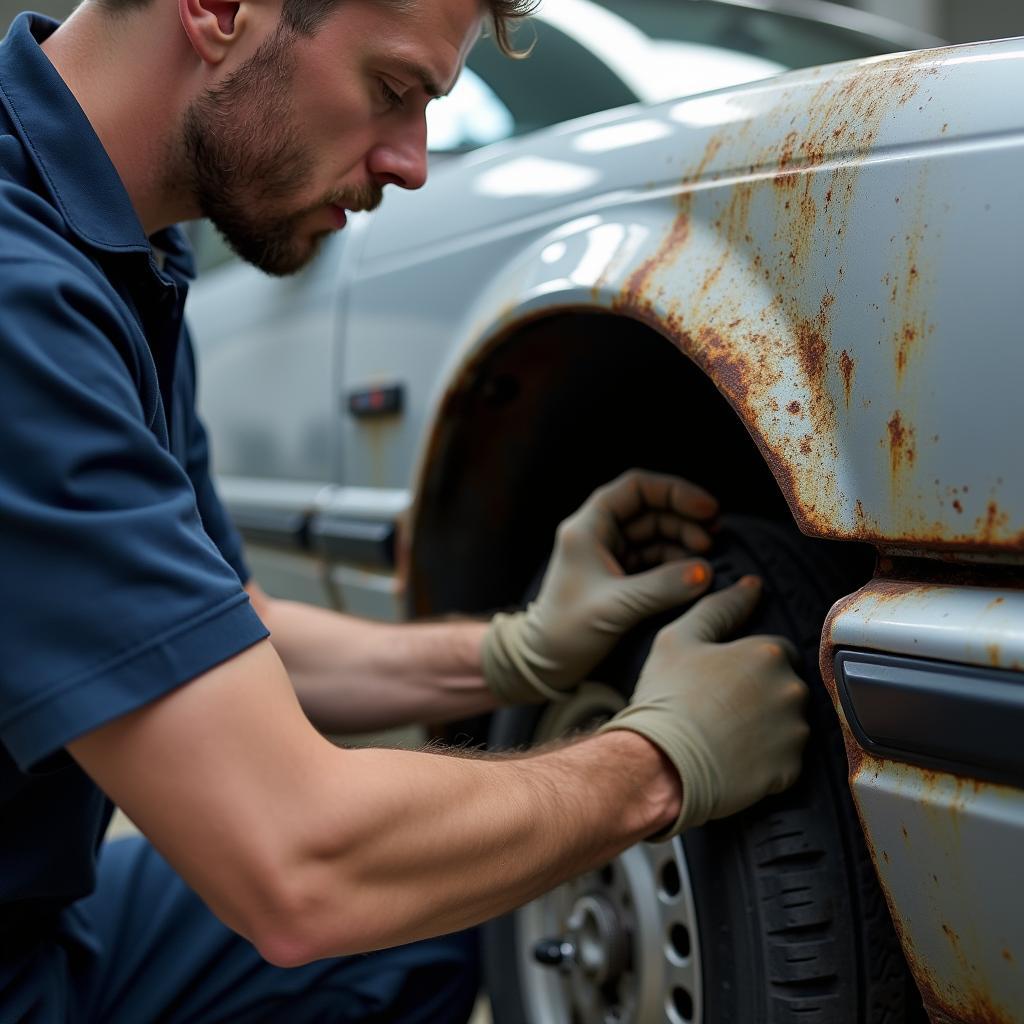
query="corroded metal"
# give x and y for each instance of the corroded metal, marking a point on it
(807, 270)
(947, 849)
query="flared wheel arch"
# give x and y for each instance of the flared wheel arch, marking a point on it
(542, 415)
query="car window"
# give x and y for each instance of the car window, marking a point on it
(471, 115)
(593, 55)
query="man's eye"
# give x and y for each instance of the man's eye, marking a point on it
(392, 98)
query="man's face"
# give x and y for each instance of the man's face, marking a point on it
(309, 127)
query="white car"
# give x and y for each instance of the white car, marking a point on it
(803, 292)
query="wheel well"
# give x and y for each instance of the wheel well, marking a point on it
(544, 416)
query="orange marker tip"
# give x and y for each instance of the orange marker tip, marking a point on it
(696, 574)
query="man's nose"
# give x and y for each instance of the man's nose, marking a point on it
(401, 159)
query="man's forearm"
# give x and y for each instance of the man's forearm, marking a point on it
(435, 843)
(354, 675)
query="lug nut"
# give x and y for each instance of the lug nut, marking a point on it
(554, 953)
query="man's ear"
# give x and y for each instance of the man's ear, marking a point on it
(212, 26)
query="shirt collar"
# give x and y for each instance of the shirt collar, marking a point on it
(71, 160)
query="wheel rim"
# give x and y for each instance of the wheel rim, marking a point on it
(631, 925)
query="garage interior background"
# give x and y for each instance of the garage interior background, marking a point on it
(959, 21)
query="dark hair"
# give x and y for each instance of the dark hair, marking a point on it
(306, 16)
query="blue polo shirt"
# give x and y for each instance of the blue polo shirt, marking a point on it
(120, 575)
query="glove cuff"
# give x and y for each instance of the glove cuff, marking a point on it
(506, 668)
(686, 749)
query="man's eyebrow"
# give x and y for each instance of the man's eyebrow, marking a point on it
(421, 74)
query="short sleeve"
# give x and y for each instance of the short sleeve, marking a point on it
(113, 593)
(197, 464)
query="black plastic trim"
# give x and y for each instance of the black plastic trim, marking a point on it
(368, 542)
(957, 718)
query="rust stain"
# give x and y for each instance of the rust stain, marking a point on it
(901, 444)
(719, 358)
(846, 368)
(994, 520)
(907, 337)
(639, 281)
(966, 998)
(956, 504)
(805, 445)
(804, 183)
(813, 336)
(794, 407)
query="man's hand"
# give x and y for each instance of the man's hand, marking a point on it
(727, 715)
(587, 601)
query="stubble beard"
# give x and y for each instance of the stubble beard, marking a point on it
(245, 161)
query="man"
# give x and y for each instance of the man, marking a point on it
(136, 667)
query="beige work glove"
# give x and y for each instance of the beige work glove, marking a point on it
(727, 715)
(587, 600)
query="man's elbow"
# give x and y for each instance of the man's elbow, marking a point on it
(301, 924)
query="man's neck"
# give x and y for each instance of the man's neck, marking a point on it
(128, 76)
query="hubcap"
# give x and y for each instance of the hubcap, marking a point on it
(618, 945)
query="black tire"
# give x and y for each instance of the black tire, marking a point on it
(792, 924)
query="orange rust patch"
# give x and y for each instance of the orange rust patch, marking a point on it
(901, 443)
(805, 446)
(957, 505)
(719, 360)
(994, 654)
(813, 337)
(794, 407)
(907, 337)
(994, 520)
(846, 369)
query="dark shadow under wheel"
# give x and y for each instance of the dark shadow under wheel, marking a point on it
(772, 916)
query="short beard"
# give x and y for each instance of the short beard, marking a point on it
(244, 160)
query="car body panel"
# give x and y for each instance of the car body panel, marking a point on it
(828, 271)
(947, 847)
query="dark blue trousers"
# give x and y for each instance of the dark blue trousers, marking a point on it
(143, 948)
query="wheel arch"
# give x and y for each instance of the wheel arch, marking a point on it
(538, 415)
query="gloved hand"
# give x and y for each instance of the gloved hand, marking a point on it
(727, 715)
(586, 601)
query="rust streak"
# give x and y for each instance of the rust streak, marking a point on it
(847, 367)
(901, 444)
